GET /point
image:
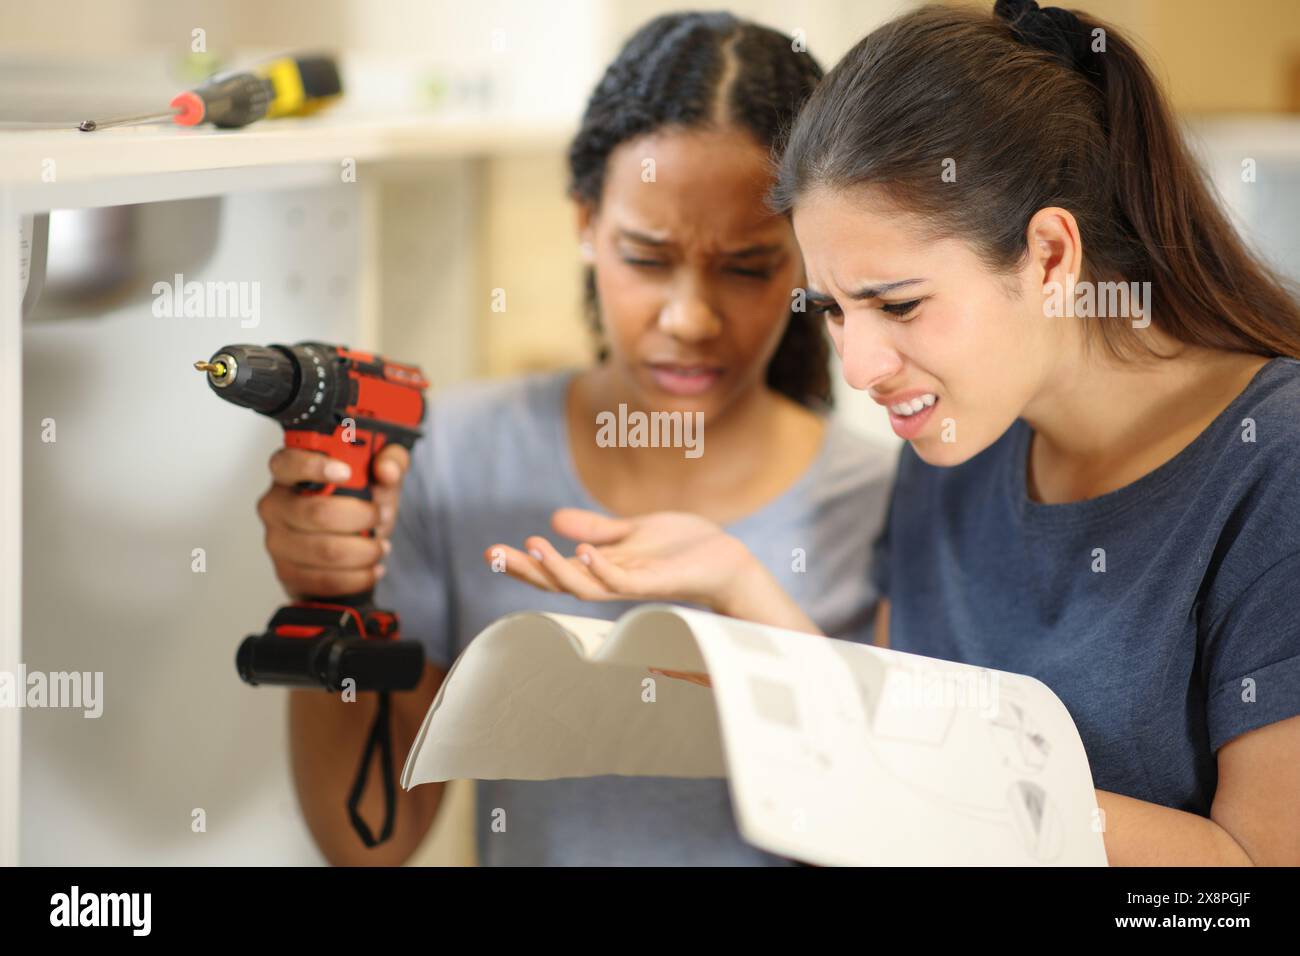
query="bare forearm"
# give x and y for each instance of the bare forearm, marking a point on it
(1138, 833)
(755, 595)
(327, 739)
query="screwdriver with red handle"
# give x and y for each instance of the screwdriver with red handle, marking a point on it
(289, 86)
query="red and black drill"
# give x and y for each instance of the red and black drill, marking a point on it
(348, 405)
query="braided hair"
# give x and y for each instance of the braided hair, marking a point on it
(692, 70)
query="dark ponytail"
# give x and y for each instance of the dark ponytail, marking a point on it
(1041, 107)
(690, 70)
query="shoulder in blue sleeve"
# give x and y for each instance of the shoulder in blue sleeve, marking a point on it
(1252, 611)
(1253, 656)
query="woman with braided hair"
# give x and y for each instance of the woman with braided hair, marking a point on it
(690, 282)
(1099, 390)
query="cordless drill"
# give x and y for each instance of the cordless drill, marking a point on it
(348, 405)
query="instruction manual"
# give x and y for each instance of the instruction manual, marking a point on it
(835, 752)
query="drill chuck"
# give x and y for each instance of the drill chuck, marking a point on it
(264, 379)
(314, 387)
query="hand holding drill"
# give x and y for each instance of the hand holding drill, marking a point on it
(314, 541)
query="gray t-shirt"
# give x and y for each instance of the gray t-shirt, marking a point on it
(492, 467)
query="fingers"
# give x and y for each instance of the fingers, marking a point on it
(522, 567)
(390, 470)
(385, 518)
(292, 465)
(580, 525)
(385, 500)
(314, 540)
(544, 567)
(613, 577)
(569, 573)
(391, 465)
(316, 582)
(337, 552)
(335, 514)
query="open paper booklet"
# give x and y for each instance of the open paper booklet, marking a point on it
(836, 753)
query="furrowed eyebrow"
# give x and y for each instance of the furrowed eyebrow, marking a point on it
(751, 251)
(866, 292)
(643, 239)
(875, 291)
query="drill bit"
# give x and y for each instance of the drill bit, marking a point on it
(216, 368)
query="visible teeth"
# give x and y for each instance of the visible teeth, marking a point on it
(906, 409)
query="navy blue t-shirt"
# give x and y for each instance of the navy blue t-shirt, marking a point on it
(1189, 637)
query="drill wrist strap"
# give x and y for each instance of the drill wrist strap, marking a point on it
(381, 737)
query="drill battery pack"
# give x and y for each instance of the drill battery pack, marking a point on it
(334, 646)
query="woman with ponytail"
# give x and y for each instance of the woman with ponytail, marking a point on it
(1098, 384)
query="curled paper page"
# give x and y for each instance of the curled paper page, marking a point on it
(835, 752)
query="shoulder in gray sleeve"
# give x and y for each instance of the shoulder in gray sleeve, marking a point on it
(413, 584)
(483, 443)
